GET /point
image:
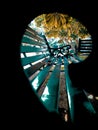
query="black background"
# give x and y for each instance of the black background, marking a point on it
(28, 109)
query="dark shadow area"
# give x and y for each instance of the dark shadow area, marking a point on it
(84, 74)
(28, 110)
